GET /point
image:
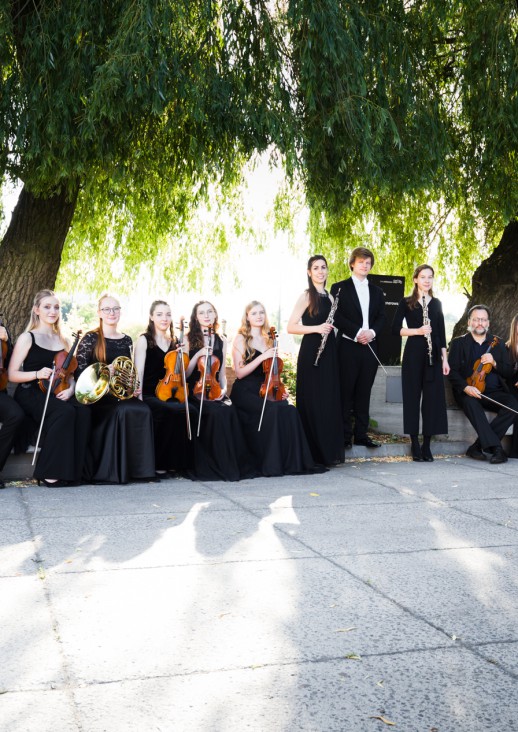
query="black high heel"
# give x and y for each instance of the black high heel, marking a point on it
(53, 484)
(425, 450)
(416, 449)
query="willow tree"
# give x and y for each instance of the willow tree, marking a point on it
(400, 118)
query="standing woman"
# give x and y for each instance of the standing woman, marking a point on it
(512, 349)
(122, 439)
(173, 449)
(66, 427)
(280, 448)
(220, 452)
(424, 363)
(318, 392)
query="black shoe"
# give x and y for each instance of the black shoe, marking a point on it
(2, 484)
(427, 455)
(416, 454)
(475, 451)
(53, 484)
(366, 442)
(348, 443)
(498, 456)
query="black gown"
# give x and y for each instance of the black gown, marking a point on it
(280, 448)
(122, 430)
(220, 452)
(423, 385)
(66, 429)
(318, 391)
(173, 449)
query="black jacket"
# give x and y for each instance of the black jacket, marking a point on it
(461, 362)
(348, 317)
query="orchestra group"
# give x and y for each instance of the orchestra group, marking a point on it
(110, 413)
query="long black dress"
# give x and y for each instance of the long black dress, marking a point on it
(318, 391)
(122, 431)
(66, 428)
(173, 449)
(419, 379)
(220, 452)
(280, 448)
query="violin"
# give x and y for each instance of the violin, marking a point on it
(480, 370)
(65, 364)
(3, 357)
(173, 385)
(272, 387)
(208, 366)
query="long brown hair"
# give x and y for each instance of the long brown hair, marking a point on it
(150, 332)
(512, 343)
(313, 295)
(196, 340)
(246, 331)
(413, 299)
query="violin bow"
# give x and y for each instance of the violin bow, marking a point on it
(49, 389)
(203, 385)
(499, 403)
(268, 384)
(184, 380)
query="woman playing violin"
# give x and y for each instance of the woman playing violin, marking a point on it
(11, 414)
(122, 439)
(424, 363)
(318, 387)
(280, 447)
(220, 452)
(66, 428)
(173, 449)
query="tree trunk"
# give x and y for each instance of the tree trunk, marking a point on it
(30, 253)
(495, 284)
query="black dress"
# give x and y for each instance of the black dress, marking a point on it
(220, 452)
(122, 431)
(66, 429)
(173, 449)
(419, 379)
(318, 391)
(514, 391)
(280, 448)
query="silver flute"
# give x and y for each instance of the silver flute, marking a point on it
(428, 336)
(330, 318)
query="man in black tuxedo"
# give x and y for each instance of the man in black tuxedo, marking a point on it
(478, 343)
(360, 317)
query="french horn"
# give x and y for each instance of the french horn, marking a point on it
(95, 381)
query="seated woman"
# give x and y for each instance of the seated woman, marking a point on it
(11, 414)
(280, 447)
(122, 434)
(170, 408)
(66, 427)
(220, 452)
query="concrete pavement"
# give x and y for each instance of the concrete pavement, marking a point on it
(380, 592)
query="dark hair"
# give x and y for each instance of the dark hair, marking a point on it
(480, 307)
(196, 340)
(414, 297)
(150, 332)
(312, 291)
(360, 252)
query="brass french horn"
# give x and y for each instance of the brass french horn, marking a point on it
(95, 381)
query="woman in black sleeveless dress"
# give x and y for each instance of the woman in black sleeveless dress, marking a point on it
(318, 390)
(122, 430)
(173, 448)
(66, 428)
(220, 451)
(280, 448)
(423, 384)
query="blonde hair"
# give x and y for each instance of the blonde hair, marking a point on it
(34, 320)
(246, 331)
(512, 343)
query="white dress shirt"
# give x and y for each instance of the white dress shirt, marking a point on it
(362, 290)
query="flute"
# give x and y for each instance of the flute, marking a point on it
(428, 336)
(325, 335)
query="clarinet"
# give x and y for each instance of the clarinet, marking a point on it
(324, 335)
(428, 336)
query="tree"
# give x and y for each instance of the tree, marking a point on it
(399, 118)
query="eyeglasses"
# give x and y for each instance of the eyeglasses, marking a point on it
(115, 310)
(480, 320)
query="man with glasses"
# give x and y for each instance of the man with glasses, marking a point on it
(478, 343)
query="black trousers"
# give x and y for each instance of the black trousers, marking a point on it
(11, 417)
(358, 367)
(489, 433)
